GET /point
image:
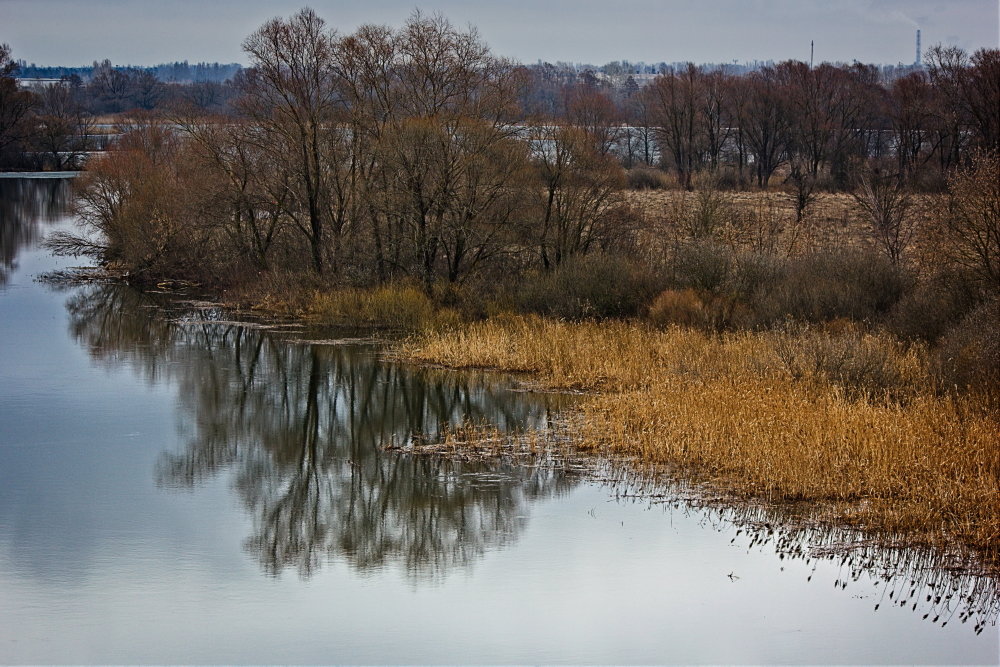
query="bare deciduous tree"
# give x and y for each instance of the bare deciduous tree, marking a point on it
(62, 127)
(887, 205)
(765, 123)
(969, 231)
(593, 111)
(677, 105)
(292, 92)
(580, 193)
(15, 104)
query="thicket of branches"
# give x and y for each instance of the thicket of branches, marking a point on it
(415, 154)
(369, 157)
(819, 125)
(815, 124)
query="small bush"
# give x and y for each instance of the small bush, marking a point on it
(398, 306)
(590, 286)
(729, 177)
(288, 293)
(701, 265)
(470, 301)
(703, 213)
(968, 356)
(683, 307)
(761, 227)
(754, 274)
(648, 178)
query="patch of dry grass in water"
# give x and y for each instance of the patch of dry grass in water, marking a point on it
(796, 415)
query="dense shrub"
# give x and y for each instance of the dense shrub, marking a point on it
(761, 289)
(648, 178)
(968, 356)
(824, 286)
(754, 274)
(928, 309)
(597, 285)
(859, 361)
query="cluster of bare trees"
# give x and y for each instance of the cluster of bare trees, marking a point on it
(378, 155)
(15, 107)
(54, 125)
(415, 153)
(822, 124)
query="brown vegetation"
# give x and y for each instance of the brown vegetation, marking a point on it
(802, 414)
(828, 336)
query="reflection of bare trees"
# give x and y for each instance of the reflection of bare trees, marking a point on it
(25, 203)
(302, 426)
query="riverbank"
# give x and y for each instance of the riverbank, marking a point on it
(849, 419)
(846, 417)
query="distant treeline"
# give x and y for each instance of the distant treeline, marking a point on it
(49, 115)
(175, 72)
(618, 70)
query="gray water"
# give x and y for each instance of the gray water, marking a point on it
(179, 489)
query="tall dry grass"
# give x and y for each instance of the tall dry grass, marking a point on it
(833, 414)
(396, 306)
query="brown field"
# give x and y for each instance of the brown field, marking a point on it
(833, 221)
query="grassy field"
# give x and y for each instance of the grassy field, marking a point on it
(850, 418)
(833, 220)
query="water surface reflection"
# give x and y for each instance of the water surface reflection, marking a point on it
(25, 205)
(155, 461)
(301, 427)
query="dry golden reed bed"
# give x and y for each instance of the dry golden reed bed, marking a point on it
(805, 414)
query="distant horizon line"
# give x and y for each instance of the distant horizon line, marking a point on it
(745, 63)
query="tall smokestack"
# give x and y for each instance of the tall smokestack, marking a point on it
(917, 60)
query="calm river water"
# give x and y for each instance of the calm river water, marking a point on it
(175, 489)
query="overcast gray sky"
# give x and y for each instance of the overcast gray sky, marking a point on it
(145, 32)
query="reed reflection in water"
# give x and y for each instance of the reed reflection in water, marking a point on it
(941, 587)
(301, 428)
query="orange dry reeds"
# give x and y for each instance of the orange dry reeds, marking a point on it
(398, 306)
(802, 414)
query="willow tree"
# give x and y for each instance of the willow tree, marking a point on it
(292, 93)
(441, 172)
(580, 193)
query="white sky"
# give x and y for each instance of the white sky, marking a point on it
(145, 32)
